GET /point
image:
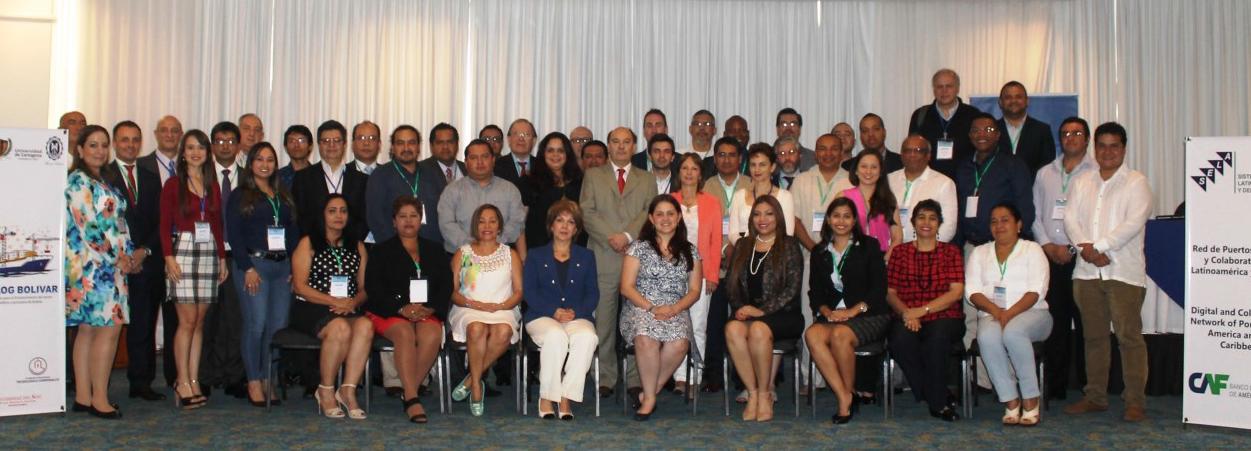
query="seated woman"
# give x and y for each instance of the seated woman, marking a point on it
(485, 314)
(660, 282)
(925, 284)
(327, 272)
(562, 291)
(766, 272)
(847, 294)
(1006, 279)
(409, 286)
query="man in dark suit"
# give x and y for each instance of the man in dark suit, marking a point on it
(441, 169)
(312, 185)
(517, 165)
(146, 280)
(873, 139)
(1028, 138)
(654, 123)
(945, 123)
(162, 161)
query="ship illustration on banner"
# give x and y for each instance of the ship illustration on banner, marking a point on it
(22, 255)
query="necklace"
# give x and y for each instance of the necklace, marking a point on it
(770, 240)
(753, 266)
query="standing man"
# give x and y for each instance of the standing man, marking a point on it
(594, 154)
(493, 136)
(251, 131)
(654, 122)
(517, 165)
(142, 189)
(1052, 186)
(398, 178)
(660, 153)
(312, 185)
(787, 151)
(437, 172)
(579, 137)
(1106, 216)
(703, 130)
(614, 204)
(1028, 138)
(790, 124)
(366, 142)
(873, 138)
(917, 182)
(729, 181)
(73, 123)
(222, 325)
(847, 135)
(479, 187)
(298, 142)
(163, 161)
(944, 122)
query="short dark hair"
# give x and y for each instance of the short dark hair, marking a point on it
(1015, 212)
(656, 111)
(298, 130)
(980, 115)
(594, 143)
(868, 116)
(763, 149)
(1011, 84)
(927, 205)
(789, 110)
(704, 112)
(405, 127)
(729, 141)
(331, 125)
(479, 142)
(126, 123)
(490, 127)
(1074, 119)
(660, 138)
(224, 127)
(441, 127)
(1112, 128)
(405, 201)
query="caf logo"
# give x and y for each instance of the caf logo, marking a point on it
(37, 366)
(54, 148)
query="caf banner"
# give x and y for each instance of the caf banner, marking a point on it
(32, 301)
(1217, 365)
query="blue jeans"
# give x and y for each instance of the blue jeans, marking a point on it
(264, 313)
(1008, 349)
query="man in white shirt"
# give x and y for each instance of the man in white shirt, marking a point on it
(366, 138)
(1105, 216)
(703, 129)
(917, 182)
(1051, 189)
(813, 192)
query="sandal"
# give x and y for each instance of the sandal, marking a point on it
(334, 412)
(1012, 416)
(420, 418)
(355, 414)
(1031, 417)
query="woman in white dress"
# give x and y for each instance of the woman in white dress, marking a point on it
(485, 314)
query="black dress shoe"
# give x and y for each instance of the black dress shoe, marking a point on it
(633, 394)
(115, 414)
(605, 392)
(948, 414)
(147, 394)
(87, 407)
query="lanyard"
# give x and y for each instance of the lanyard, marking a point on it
(727, 192)
(416, 177)
(1003, 266)
(979, 173)
(273, 204)
(338, 260)
(335, 186)
(825, 188)
(907, 190)
(202, 206)
(1065, 176)
(838, 264)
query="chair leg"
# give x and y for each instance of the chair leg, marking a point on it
(625, 395)
(966, 387)
(725, 383)
(1042, 383)
(887, 389)
(795, 382)
(438, 374)
(517, 377)
(812, 387)
(366, 383)
(595, 389)
(525, 389)
(447, 381)
(269, 380)
(693, 389)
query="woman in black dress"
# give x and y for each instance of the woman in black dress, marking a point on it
(327, 274)
(847, 294)
(556, 176)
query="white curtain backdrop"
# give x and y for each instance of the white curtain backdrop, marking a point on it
(1166, 69)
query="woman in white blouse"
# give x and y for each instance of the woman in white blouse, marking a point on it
(1007, 281)
(761, 162)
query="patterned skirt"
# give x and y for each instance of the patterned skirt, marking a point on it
(198, 262)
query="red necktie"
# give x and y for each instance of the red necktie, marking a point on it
(130, 182)
(523, 168)
(621, 181)
(449, 175)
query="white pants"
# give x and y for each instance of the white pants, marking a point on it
(575, 340)
(699, 326)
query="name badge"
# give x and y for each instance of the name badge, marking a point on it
(1001, 296)
(339, 286)
(417, 291)
(369, 239)
(818, 220)
(423, 219)
(970, 207)
(903, 214)
(725, 226)
(1057, 211)
(945, 149)
(203, 233)
(276, 238)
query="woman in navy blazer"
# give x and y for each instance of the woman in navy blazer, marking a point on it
(561, 292)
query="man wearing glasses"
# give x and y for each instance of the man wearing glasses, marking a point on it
(517, 165)
(790, 124)
(703, 129)
(222, 334)
(494, 138)
(579, 137)
(365, 145)
(315, 183)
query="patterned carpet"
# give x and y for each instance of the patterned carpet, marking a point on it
(233, 424)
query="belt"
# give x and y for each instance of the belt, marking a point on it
(275, 256)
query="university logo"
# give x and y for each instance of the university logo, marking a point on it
(54, 148)
(5, 146)
(1207, 175)
(1207, 382)
(37, 366)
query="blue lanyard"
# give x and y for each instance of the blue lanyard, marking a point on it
(335, 186)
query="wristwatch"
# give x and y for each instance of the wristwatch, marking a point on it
(927, 310)
(864, 308)
(1072, 250)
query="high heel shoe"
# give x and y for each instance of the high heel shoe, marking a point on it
(851, 410)
(461, 392)
(1030, 418)
(335, 412)
(355, 414)
(186, 403)
(116, 414)
(764, 409)
(638, 416)
(85, 408)
(545, 415)
(749, 412)
(197, 397)
(420, 418)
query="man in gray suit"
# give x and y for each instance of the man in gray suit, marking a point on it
(614, 205)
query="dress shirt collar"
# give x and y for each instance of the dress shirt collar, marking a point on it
(443, 168)
(332, 172)
(616, 168)
(365, 168)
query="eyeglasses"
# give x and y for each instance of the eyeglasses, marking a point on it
(493, 139)
(988, 129)
(582, 140)
(788, 152)
(788, 124)
(725, 154)
(224, 142)
(701, 124)
(331, 141)
(366, 138)
(1077, 134)
(300, 140)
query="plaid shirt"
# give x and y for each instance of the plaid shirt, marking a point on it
(919, 277)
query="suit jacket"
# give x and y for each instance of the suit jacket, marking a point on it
(149, 162)
(310, 192)
(506, 168)
(927, 122)
(864, 278)
(544, 294)
(433, 181)
(144, 214)
(390, 269)
(1036, 146)
(639, 160)
(605, 211)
